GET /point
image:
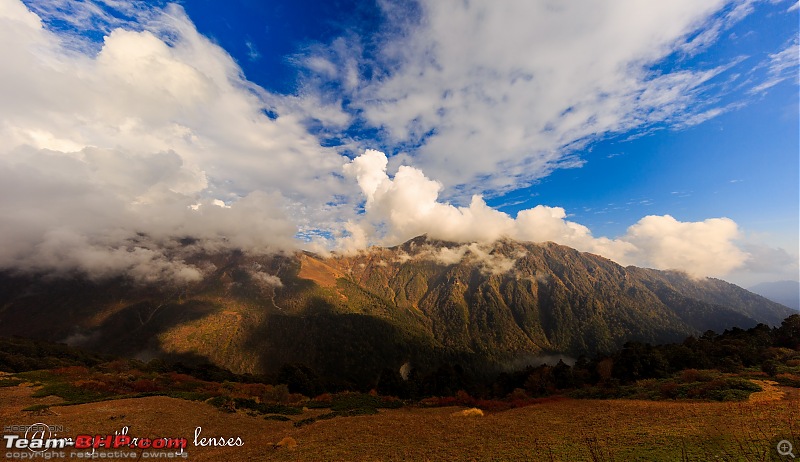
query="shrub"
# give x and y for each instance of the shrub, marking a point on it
(144, 386)
(669, 390)
(304, 422)
(73, 371)
(769, 367)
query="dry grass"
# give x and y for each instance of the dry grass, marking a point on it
(769, 391)
(287, 442)
(474, 412)
(317, 271)
(567, 430)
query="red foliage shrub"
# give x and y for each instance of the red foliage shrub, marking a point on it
(669, 390)
(118, 365)
(144, 385)
(464, 399)
(93, 385)
(323, 398)
(72, 371)
(177, 377)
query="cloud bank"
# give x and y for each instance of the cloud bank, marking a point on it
(108, 159)
(408, 205)
(125, 156)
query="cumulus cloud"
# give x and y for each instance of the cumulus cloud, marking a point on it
(408, 205)
(108, 157)
(699, 248)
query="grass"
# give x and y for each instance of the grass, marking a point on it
(37, 408)
(567, 430)
(12, 382)
(349, 405)
(696, 385)
(560, 429)
(70, 393)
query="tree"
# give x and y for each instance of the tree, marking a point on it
(788, 335)
(638, 361)
(301, 379)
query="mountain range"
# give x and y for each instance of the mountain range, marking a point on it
(413, 306)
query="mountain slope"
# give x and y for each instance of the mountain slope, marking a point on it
(351, 317)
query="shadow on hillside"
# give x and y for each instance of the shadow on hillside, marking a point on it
(71, 310)
(346, 347)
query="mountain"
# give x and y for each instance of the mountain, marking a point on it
(423, 303)
(784, 292)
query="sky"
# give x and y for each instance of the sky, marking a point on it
(656, 134)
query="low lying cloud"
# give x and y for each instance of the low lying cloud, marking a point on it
(479, 253)
(408, 205)
(109, 157)
(266, 280)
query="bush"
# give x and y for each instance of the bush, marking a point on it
(670, 390)
(769, 367)
(695, 375)
(303, 422)
(145, 385)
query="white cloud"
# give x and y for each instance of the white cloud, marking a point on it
(108, 156)
(705, 248)
(112, 153)
(781, 66)
(265, 279)
(252, 51)
(491, 96)
(408, 205)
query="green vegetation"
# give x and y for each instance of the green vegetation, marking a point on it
(20, 354)
(10, 382)
(37, 408)
(348, 405)
(712, 367)
(715, 386)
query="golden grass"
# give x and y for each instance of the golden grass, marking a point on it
(769, 391)
(287, 442)
(474, 412)
(567, 430)
(317, 271)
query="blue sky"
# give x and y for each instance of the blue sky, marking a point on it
(661, 135)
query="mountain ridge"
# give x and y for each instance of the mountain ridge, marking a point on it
(423, 302)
